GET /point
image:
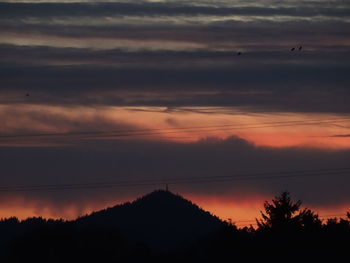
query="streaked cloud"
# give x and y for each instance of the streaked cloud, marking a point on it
(42, 125)
(183, 54)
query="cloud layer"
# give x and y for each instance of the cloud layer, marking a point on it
(142, 160)
(91, 52)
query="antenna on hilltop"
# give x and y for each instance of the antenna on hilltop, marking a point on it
(166, 188)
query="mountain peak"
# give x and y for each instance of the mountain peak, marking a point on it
(161, 193)
(155, 217)
(162, 197)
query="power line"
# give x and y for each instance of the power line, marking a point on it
(160, 131)
(182, 180)
(332, 215)
(243, 222)
(320, 216)
(223, 128)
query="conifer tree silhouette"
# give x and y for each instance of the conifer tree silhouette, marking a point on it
(283, 214)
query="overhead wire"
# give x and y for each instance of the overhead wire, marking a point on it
(181, 180)
(174, 130)
(245, 222)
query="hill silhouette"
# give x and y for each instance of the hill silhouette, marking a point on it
(165, 227)
(160, 219)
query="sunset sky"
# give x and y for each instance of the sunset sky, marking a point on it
(128, 91)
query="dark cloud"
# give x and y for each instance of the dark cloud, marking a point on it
(203, 71)
(41, 55)
(143, 160)
(32, 119)
(341, 135)
(309, 88)
(37, 20)
(252, 34)
(108, 9)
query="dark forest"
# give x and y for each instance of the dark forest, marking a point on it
(164, 227)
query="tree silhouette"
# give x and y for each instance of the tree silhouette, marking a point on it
(309, 220)
(107, 235)
(283, 214)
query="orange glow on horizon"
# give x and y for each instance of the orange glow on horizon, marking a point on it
(177, 125)
(241, 211)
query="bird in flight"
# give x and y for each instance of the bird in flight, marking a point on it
(300, 48)
(239, 53)
(27, 95)
(292, 49)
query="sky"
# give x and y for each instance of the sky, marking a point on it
(135, 91)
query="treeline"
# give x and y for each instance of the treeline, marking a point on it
(285, 232)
